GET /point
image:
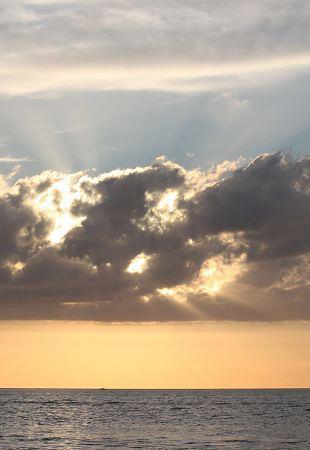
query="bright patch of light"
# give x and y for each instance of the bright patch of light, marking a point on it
(55, 204)
(216, 273)
(138, 264)
(190, 242)
(62, 225)
(168, 201)
(16, 267)
(166, 291)
(163, 211)
(215, 276)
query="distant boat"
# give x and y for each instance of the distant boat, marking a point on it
(102, 389)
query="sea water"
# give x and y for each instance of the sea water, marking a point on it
(160, 419)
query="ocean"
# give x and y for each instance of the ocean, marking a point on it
(158, 419)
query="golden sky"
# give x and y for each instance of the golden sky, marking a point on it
(209, 355)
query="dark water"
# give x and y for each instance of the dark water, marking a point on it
(211, 419)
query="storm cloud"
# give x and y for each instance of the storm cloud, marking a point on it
(159, 243)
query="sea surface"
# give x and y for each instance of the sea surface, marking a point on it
(158, 419)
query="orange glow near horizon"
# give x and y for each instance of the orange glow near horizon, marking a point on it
(201, 355)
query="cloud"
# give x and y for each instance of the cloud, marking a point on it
(170, 45)
(268, 202)
(159, 243)
(12, 159)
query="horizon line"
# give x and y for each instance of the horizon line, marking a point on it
(157, 389)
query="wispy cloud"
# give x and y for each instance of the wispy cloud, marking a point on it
(89, 44)
(13, 159)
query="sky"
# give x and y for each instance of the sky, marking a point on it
(154, 192)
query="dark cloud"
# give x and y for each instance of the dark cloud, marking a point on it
(159, 243)
(268, 201)
(21, 230)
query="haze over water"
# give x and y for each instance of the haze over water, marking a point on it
(161, 419)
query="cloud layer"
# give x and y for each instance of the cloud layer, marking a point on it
(159, 243)
(179, 45)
